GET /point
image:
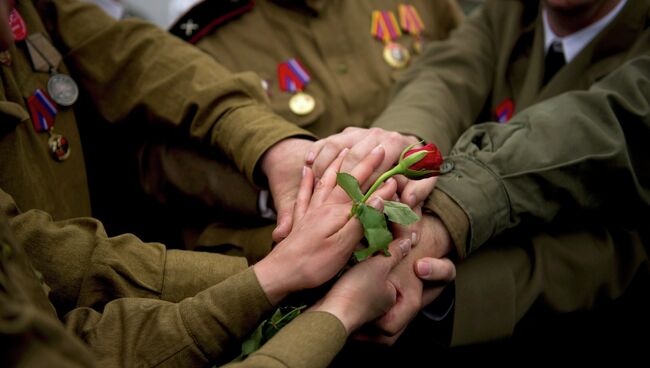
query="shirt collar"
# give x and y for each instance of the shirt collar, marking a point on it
(575, 42)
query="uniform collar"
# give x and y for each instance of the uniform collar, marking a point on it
(315, 6)
(575, 42)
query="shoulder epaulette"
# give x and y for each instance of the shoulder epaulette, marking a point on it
(205, 16)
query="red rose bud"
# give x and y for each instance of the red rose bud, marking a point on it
(422, 162)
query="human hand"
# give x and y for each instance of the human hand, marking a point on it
(282, 164)
(360, 141)
(323, 236)
(364, 292)
(413, 294)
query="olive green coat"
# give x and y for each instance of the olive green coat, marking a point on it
(131, 303)
(350, 82)
(497, 54)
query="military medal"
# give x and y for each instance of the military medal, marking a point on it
(302, 103)
(410, 20)
(293, 77)
(396, 55)
(384, 27)
(45, 58)
(62, 89)
(43, 112)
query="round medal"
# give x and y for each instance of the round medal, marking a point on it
(59, 147)
(302, 103)
(62, 89)
(396, 55)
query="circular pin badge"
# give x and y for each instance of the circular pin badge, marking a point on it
(302, 103)
(17, 25)
(396, 55)
(63, 89)
(59, 147)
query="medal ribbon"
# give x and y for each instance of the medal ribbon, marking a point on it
(43, 111)
(504, 110)
(410, 20)
(384, 26)
(292, 76)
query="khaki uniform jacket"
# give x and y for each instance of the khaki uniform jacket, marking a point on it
(497, 54)
(606, 175)
(132, 303)
(350, 80)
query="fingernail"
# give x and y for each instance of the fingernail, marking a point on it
(374, 202)
(344, 152)
(390, 181)
(405, 246)
(377, 149)
(424, 268)
(414, 237)
(310, 157)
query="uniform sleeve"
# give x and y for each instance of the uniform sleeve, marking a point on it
(557, 272)
(442, 94)
(581, 150)
(312, 340)
(132, 68)
(118, 294)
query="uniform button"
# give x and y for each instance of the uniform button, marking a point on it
(446, 167)
(343, 68)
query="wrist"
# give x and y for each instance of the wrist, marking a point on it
(435, 237)
(279, 152)
(275, 284)
(342, 312)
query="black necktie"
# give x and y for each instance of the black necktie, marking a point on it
(554, 61)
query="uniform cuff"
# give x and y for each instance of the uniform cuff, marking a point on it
(311, 340)
(187, 272)
(247, 146)
(485, 300)
(224, 314)
(480, 193)
(453, 217)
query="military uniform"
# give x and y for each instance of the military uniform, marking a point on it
(495, 56)
(131, 303)
(350, 82)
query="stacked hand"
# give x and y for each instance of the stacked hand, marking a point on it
(390, 287)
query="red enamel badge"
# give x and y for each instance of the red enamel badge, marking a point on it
(18, 26)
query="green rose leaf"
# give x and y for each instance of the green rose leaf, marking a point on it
(400, 213)
(254, 341)
(351, 186)
(375, 231)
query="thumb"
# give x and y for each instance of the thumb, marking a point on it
(285, 220)
(434, 269)
(398, 249)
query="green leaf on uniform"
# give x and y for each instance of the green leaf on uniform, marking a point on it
(375, 230)
(254, 341)
(400, 213)
(350, 185)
